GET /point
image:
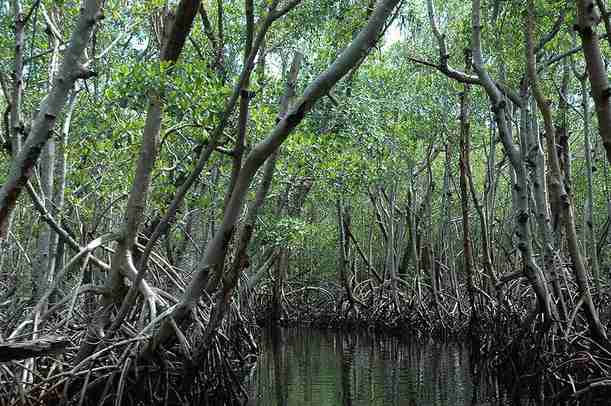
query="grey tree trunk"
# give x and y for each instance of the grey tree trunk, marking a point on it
(551, 259)
(41, 271)
(558, 189)
(343, 222)
(516, 158)
(465, 169)
(178, 27)
(592, 247)
(587, 20)
(56, 248)
(216, 250)
(16, 127)
(50, 108)
(282, 265)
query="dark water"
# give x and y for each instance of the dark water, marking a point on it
(300, 367)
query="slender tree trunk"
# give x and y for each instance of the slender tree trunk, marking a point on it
(344, 221)
(587, 20)
(178, 27)
(491, 183)
(280, 273)
(516, 157)
(413, 225)
(558, 189)
(551, 259)
(241, 260)
(41, 269)
(390, 249)
(16, 127)
(57, 244)
(40, 264)
(465, 147)
(177, 30)
(444, 243)
(375, 204)
(591, 236)
(50, 108)
(485, 230)
(216, 250)
(285, 203)
(245, 96)
(428, 254)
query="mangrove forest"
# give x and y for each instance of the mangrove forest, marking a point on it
(305, 202)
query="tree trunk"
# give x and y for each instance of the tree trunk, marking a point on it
(587, 20)
(551, 255)
(591, 235)
(41, 270)
(344, 221)
(284, 206)
(50, 108)
(558, 188)
(516, 157)
(16, 127)
(56, 259)
(178, 28)
(428, 254)
(216, 250)
(465, 169)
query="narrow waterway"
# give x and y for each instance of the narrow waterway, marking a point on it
(302, 367)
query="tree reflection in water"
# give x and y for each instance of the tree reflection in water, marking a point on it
(302, 367)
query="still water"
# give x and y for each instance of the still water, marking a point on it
(302, 367)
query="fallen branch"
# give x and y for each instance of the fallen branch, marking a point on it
(13, 351)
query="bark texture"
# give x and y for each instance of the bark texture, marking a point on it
(71, 69)
(216, 250)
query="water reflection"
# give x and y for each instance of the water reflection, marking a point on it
(302, 367)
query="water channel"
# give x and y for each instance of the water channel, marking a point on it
(303, 367)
